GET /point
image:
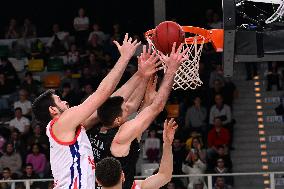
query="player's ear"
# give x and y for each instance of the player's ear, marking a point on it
(52, 110)
(116, 121)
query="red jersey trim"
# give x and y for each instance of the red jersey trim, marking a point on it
(135, 186)
(78, 131)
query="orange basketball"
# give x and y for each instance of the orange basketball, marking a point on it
(166, 33)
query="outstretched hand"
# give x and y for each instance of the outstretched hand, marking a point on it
(128, 47)
(148, 63)
(174, 60)
(169, 131)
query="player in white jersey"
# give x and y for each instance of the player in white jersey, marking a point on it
(110, 175)
(71, 158)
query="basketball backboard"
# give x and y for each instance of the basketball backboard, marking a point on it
(247, 38)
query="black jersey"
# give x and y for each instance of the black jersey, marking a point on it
(101, 143)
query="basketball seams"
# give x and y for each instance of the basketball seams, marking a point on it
(166, 34)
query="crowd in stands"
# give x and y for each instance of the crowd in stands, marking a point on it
(205, 117)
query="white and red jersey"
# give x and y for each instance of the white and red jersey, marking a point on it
(72, 163)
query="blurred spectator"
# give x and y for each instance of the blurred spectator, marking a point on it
(59, 40)
(7, 175)
(29, 174)
(12, 32)
(73, 56)
(195, 146)
(88, 90)
(12, 160)
(87, 77)
(81, 26)
(217, 136)
(96, 66)
(67, 78)
(38, 138)
(20, 122)
(217, 74)
(217, 89)
(194, 164)
(220, 184)
(18, 144)
(199, 184)
(69, 95)
(97, 35)
(220, 168)
(179, 154)
(152, 146)
(30, 85)
(195, 118)
(24, 103)
(221, 153)
(273, 76)
(38, 160)
(94, 46)
(28, 30)
(7, 68)
(221, 111)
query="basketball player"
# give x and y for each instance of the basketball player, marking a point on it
(109, 173)
(118, 137)
(71, 156)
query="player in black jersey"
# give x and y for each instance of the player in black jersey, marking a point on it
(118, 137)
(109, 173)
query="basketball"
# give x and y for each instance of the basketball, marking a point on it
(166, 33)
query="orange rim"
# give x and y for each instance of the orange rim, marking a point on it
(216, 36)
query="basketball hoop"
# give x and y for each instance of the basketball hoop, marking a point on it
(187, 76)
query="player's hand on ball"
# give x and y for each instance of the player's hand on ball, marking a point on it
(169, 131)
(128, 47)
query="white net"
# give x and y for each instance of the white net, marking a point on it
(187, 76)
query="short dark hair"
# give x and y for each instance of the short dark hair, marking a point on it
(108, 172)
(41, 106)
(6, 169)
(29, 165)
(18, 108)
(110, 110)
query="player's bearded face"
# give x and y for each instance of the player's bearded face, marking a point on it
(60, 105)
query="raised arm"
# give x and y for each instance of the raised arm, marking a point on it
(147, 66)
(134, 128)
(166, 167)
(74, 116)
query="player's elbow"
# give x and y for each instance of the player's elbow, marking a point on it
(167, 178)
